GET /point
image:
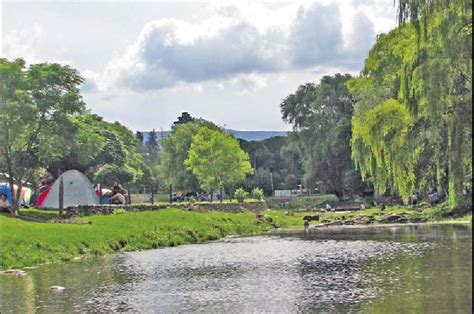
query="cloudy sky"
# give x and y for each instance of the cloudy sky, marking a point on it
(229, 62)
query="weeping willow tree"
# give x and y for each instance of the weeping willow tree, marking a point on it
(412, 123)
(437, 83)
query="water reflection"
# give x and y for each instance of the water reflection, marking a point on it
(403, 269)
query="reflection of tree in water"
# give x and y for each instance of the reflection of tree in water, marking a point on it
(438, 281)
(17, 294)
(334, 276)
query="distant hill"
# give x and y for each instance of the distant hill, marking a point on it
(244, 135)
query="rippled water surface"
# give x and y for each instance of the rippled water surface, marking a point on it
(395, 269)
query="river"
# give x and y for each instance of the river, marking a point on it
(397, 269)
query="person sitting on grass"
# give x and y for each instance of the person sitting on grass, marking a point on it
(5, 205)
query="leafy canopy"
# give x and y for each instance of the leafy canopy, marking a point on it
(216, 159)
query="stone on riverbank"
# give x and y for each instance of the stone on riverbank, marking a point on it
(13, 272)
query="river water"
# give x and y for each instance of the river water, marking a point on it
(399, 269)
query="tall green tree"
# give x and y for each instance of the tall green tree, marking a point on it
(35, 101)
(422, 71)
(437, 83)
(175, 148)
(94, 146)
(216, 159)
(321, 117)
(273, 160)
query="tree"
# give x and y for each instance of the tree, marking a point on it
(216, 159)
(35, 101)
(437, 82)
(139, 136)
(171, 166)
(272, 158)
(321, 117)
(421, 72)
(152, 141)
(93, 146)
(184, 118)
(291, 181)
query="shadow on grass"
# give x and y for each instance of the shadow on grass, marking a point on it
(33, 214)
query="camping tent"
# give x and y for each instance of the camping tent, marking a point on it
(25, 193)
(77, 191)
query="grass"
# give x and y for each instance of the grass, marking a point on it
(440, 213)
(25, 243)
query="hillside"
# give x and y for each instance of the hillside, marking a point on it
(245, 135)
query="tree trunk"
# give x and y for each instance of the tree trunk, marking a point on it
(61, 196)
(456, 173)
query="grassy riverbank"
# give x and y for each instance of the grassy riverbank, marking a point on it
(27, 243)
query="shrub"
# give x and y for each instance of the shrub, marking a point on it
(193, 199)
(301, 202)
(257, 193)
(241, 195)
(118, 211)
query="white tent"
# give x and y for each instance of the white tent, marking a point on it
(77, 191)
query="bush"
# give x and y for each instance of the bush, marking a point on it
(193, 199)
(257, 193)
(302, 202)
(241, 195)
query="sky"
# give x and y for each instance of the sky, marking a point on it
(231, 62)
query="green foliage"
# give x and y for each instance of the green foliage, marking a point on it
(240, 194)
(258, 194)
(216, 159)
(35, 102)
(176, 146)
(291, 182)
(302, 202)
(425, 65)
(382, 149)
(321, 117)
(273, 159)
(110, 173)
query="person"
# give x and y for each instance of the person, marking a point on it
(414, 199)
(306, 225)
(382, 207)
(117, 188)
(328, 207)
(434, 198)
(5, 205)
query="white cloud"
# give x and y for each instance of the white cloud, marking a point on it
(230, 62)
(21, 43)
(236, 41)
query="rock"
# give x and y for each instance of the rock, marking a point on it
(349, 222)
(13, 272)
(56, 289)
(311, 218)
(391, 218)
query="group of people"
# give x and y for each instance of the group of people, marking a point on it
(181, 197)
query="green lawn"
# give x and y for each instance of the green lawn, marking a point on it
(26, 243)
